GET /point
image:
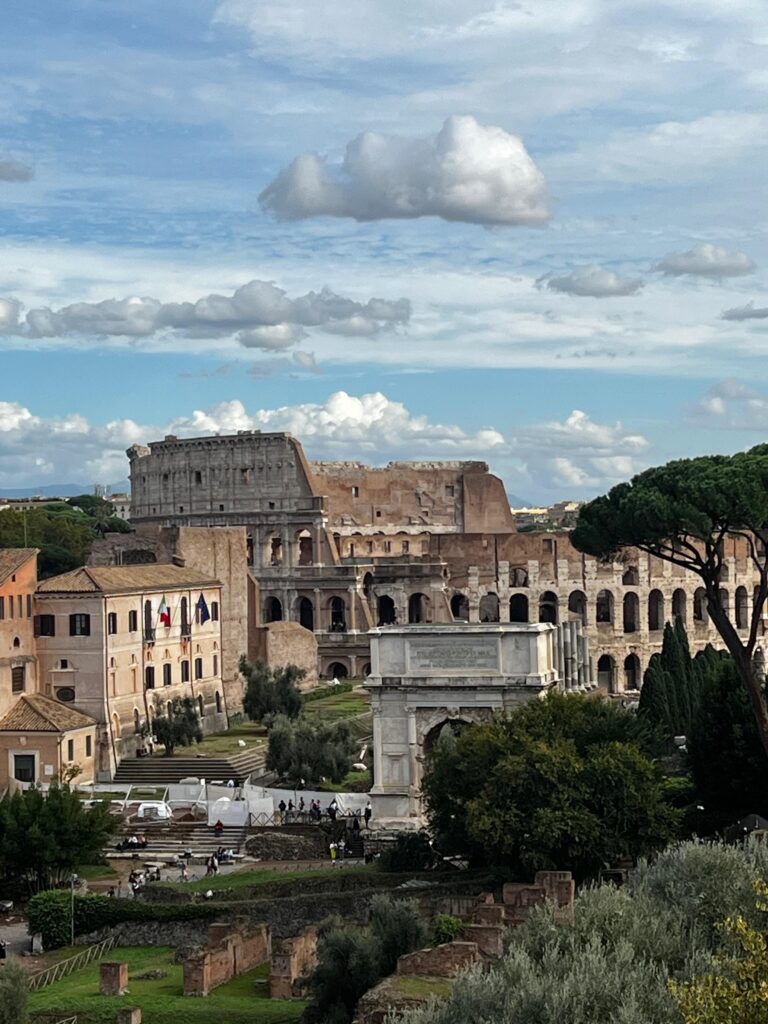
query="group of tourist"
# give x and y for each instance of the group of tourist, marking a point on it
(136, 843)
(290, 812)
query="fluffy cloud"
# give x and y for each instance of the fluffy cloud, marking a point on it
(467, 172)
(593, 281)
(578, 454)
(13, 170)
(733, 405)
(259, 314)
(706, 261)
(748, 312)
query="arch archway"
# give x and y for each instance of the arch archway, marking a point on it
(742, 608)
(116, 728)
(460, 607)
(631, 613)
(489, 608)
(631, 672)
(700, 607)
(337, 610)
(604, 608)
(304, 547)
(518, 577)
(387, 614)
(725, 599)
(549, 607)
(606, 673)
(630, 577)
(306, 613)
(273, 610)
(655, 611)
(679, 605)
(518, 608)
(136, 722)
(577, 606)
(450, 726)
(337, 670)
(419, 608)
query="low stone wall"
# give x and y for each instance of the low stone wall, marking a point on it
(292, 960)
(443, 961)
(182, 935)
(233, 948)
(276, 845)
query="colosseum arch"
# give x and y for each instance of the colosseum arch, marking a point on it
(518, 608)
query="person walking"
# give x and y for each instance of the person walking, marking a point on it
(333, 808)
(367, 814)
(333, 850)
(282, 808)
(183, 873)
(342, 852)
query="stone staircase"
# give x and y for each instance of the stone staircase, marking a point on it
(167, 841)
(160, 771)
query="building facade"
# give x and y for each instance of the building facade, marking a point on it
(18, 658)
(118, 644)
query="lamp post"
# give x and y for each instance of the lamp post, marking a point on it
(73, 879)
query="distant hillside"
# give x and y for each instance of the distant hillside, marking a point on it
(516, 501)
(57, 490)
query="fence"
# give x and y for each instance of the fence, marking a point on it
(73, 963)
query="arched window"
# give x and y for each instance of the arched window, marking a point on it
(700, 606)
(724, 573)
(606, 673)
(631, 672)
(631, 615)
(185, 626)
(276, 551)
(218, 702)
(489, 608)
(338, 615)
(742, 609)
(577, 606)
(149, 629)
(518, 608)
(306, 613)
(366, 670)
(386, 610)
(604, 607)
(679, 605)
(418, 608)
(16, 642)
(518, 577)
(725, 599)
(460, 607)
(549, 607)
(201, 707)
(630, 577)
(273, 610)
(655, 611)
(136, 721)
(306, 554)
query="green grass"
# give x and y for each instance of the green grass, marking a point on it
(245, 1000)
(339, 705)
(252, 879)
(421, 988)
(97, 872)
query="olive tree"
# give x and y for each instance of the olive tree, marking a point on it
(682, 513)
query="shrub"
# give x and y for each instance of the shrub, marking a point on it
(318, 692)
(411, 851)
(14, 992)
(49, 914)
(446, 928)
(396, 928)
(305, 752)
(271, 691)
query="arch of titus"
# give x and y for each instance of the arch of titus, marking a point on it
(423, 677)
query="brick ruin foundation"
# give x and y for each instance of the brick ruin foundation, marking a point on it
(233, 948)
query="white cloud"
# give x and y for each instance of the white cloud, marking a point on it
(467, 172)
(748, 312)
(260, 314)
(706, 260)
(593, 281)
(13, 170)
(733, 405)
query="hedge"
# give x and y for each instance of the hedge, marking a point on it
(49, 914)
(318, 692)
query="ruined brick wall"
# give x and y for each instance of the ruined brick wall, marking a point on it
(291, 962)
(286, 643)
(443, 961)
(233, 948)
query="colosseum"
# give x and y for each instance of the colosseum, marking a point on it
(341, 547)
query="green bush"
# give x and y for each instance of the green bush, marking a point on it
(411, 851)
(446, 928)
(318, 692)
(49, 914)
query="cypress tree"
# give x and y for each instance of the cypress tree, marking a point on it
(672, 684)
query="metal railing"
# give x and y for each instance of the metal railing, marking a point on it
(41, 979)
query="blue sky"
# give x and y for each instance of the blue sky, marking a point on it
(452, 229)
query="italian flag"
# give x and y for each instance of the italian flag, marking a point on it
(164, 613)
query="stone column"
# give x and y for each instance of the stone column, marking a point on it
(352, 591)
(113, 979)
(414, 780)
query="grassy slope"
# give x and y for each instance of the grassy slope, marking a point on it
(250, 879)
(241, 1001)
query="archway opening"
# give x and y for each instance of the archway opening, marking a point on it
(630, 577)
(679, 605)
(273, 610)
(606, 673)
(548, 607)
(306, 553)
(631, 613)
(337, 670)
(489, 608)
(306, 613)
(460, 607)
(604, 607)
(577, 606)
(631, 672)
(387, 615)
(418, 608)
(700, 606)
(338, 614)
(446, 732)
(655, 611)
(742, 611)
(518, 608)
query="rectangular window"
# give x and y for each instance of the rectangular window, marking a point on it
(29, 606)
(215, 611)
(112, 623)
(70, 750)
(149, 677)
(198, 477)
(450, 490)
(88, 748)
(185, 671)
(2, 608)
(79, 624)
(369, 546)
(355, 492)
(10, 606)
(17, 679)
(198, 668)
(387, 546)
(406, 547)
(24, 767)
(133, 622)
(19, 606)
(215, 664)
(166, 674)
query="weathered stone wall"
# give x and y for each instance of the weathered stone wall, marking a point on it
(286, 643)
(233, 948)
(443, 961)
(292, 960)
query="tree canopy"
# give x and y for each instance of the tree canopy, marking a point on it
(271, 691)
(306, 752)
(178, 726)
(561, 783)
(45, 837)
(683, 513)
(671, 691)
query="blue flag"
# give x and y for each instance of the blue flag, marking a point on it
(202, 610)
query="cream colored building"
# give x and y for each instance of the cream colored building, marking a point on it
(104, 650)
(42, 739)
